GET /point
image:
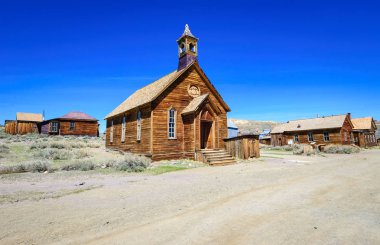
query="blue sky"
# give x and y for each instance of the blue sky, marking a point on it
(270, 60)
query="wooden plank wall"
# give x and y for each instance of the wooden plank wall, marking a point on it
(243, 147)
(131, 144)
(89, 128)
(10, 127)
(13, 127)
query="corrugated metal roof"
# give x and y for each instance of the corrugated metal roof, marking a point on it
(311, 124)
(30, 117)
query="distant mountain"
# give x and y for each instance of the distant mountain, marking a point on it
(253, 126)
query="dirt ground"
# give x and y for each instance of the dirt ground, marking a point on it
(278, 199)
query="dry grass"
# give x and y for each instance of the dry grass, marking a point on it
(39, 153)
(341, 149)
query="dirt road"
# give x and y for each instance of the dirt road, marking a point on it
(283, 200)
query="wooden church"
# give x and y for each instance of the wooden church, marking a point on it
(177, 116)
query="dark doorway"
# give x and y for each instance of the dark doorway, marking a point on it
(205, 133)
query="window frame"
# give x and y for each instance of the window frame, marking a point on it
(296, 138)
(111, 132)
(138, 126)
(123, 126)
(310, 137)
(56, 127)
(72, 125)
(345, 135)
(172, 134)
(326, 138)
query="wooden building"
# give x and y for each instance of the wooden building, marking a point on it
(264, 137)
(174, 117)
(73, 123)
(364, 131)
(321, 130)
(25, 123)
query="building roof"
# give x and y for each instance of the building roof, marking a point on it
(194, 105)
(328, 122)
(187, 32)
(30, 117)
(362, 123)
(150, 92)
(231, 124)
(78, 116)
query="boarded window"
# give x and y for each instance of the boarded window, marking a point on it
(139, 126)
(326, 136)
(123, 130)
(310, 136)
(345, 136)
(72, 125)
(111, 132)
(172, 124)
(54, 127)
(296, 138)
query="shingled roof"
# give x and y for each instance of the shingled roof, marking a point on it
(30, 117)
(78, 116)
(328, 122)
(194, 104)
(362, 123)
(150, 92)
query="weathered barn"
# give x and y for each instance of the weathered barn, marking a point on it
(73, 123)
(364, 131)
(321, 130)
(176, 116)
(25, 123)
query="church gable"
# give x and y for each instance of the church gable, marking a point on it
(190, 86)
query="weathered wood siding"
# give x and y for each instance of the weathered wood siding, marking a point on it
(89, 128)
(155, 141)
(21, 127)
(187, 134)
(336, 137)
(243, 147)
(131, 144)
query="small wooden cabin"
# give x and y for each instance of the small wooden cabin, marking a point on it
(174, 117)
(321, 130)
(73, 123)
(25, 123)
(364, 131)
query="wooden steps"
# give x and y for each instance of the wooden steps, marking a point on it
(215, 157)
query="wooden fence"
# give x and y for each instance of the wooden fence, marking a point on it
(243, 147)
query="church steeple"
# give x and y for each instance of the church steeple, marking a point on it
(187, 48)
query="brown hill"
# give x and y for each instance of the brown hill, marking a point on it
(253, 126)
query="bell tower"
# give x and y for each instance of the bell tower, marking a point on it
(187, 48)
